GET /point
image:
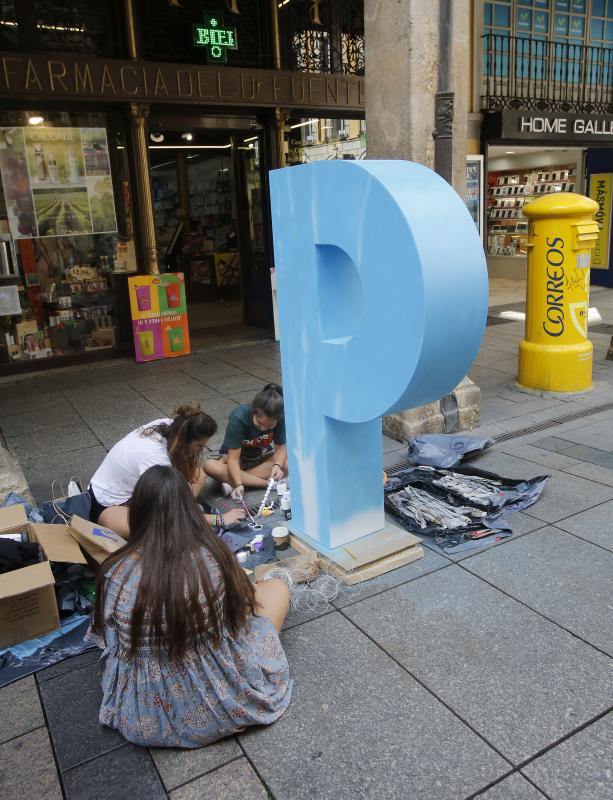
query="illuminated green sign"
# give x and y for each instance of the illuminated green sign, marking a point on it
(215, 38)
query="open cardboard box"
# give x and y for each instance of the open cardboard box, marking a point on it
(28, 607)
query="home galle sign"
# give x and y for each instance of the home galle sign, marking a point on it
(519, 125)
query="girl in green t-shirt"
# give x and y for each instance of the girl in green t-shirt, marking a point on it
(254, 447)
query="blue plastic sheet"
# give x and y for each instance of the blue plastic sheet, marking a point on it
(71, 643)
(444, 449)
(12, 499)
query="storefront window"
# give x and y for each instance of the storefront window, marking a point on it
(65, 236)
(318, 139)
(508, 190)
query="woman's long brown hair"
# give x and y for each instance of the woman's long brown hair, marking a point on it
(169, 534)
(189, 425)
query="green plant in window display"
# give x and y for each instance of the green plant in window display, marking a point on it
(103, 205)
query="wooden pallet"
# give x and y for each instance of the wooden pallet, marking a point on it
(368, 557)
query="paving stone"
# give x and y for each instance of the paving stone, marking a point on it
(562, 577)
(93, 392)
(179, 766)
(581, 767)
(235, 781)
(32, 400)
(68, 665)
(204, 372)
(594, 525)
(592, 455)
(27, 768)
(125, 773)
(21, 710)
(109, 430)
(539, 455)
(594, 434)
(508, 466)
(232, 386)
(295, 618)
(515, 787)
(359, 726)
(519, 680)
(565, 495)
(30, 446)
(115, 407)
(555, 444)
(592, 472)
(353, 594)
(394, 457)
(522, 523)
(42, 471)
(31, 421)
(72, 703)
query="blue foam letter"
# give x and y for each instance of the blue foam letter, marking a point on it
(382, 289)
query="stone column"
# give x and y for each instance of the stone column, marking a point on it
(402, 80)
(143, 196)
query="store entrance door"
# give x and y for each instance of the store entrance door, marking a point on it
(211, 223)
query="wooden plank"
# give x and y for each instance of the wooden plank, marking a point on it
(364, 572)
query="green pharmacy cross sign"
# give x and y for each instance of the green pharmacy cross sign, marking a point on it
(216, 38)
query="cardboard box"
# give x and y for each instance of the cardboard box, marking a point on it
(99, 542)
(28, 607)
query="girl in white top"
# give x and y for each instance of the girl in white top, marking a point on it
(178, 442)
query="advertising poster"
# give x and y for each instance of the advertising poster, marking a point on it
(474, 189)
(159, 316)
(57, 181)
(600, 191)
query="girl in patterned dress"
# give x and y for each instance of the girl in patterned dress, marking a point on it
(191, 648)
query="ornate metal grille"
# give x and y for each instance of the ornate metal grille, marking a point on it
(166, 30)
(81, 26)
(322, 35)
(546, 75)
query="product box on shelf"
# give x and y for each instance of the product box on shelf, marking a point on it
(28, 607)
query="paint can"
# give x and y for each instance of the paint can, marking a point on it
(280, 536)
(281, 489)
(286, 505)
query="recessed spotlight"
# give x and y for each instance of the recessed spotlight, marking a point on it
(509, 152)
(187, 136)
(156, 136)
(34, 120)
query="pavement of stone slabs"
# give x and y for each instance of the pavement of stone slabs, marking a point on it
(487, 674)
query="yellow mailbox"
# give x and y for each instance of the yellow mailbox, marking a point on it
(555, 354)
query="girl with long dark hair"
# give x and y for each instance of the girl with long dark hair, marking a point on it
(191, 648)
(178, 442)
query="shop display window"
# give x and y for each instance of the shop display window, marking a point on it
(508, 191)
(64, 234)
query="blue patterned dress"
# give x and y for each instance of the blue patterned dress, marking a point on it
(212, 693)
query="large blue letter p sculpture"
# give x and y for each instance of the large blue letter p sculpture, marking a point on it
(382, 289)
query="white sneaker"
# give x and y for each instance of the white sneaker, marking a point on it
(226, 489)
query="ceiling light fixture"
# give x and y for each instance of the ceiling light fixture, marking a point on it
(187, 136)
(302, 124)
(189, 146)
(157, 136)
(35, 120)
(509, 152)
